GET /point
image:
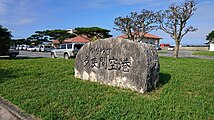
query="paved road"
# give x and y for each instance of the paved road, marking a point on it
(181, 53)
(184, 54)
(34, 54)
(47, 54)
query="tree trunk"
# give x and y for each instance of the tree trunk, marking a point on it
(61, 41)
(177, 45)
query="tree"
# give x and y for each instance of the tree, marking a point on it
(174, 21)
(58, 34)
(37, 38)
(135, 25)
(93, 32)
(5, 38)
(15, 42)
(124, 25)
(210, 37)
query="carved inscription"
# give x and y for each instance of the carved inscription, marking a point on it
(100, 58)
(119, 62)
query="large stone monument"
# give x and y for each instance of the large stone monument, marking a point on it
(119, 62)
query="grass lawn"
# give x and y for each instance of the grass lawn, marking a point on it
(47, 88)
(204, 53)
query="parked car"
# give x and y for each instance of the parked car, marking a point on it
(66, 50)
(20, 47)
(171, 48)
(24, 47)
(46, 48)
(17, 47)
(158, 48)
(9, 52)
(38, 48)
(31, 48)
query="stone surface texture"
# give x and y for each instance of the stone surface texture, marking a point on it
(119, 62)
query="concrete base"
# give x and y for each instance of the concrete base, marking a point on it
(9, 111)
(6, 115)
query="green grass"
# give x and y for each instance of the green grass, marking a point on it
(47, 89)
(204, 53)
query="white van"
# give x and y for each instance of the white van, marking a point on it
(24, 47)
(17, 47)
(38, 48)
(31, 48)
(46, 48)
(20, 47)
(66, 50)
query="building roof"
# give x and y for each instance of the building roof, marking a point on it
(79, 39)
(146, 36)
(82, 39)
(55, 41)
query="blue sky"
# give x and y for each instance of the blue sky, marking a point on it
(24, 17)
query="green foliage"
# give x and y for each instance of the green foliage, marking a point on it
(210, 37)
(47, 88)
(204, 53)
(58, 34)
(93, 32)
(20, 41)
(5, 38)
(36, 37)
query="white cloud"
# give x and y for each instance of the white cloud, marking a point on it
(13, 12)
(131, 2)
(2, 8)
(203, 19)
(205, 11)
(111, 3)
(24, 21)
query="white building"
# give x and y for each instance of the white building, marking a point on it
(71, 31)
(211, 47)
